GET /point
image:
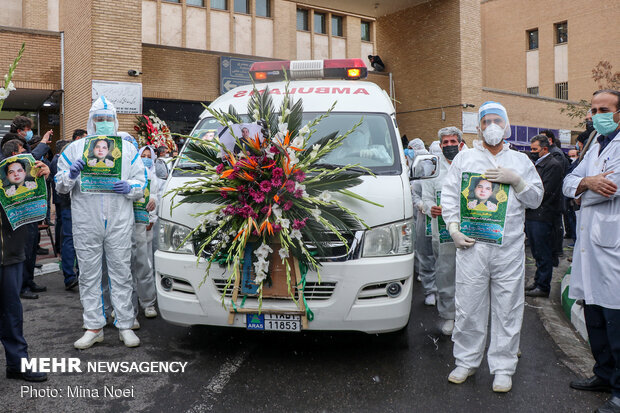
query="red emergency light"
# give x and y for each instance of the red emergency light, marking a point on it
(273, 71)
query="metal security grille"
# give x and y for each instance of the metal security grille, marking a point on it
(561, 90)
(532, 90)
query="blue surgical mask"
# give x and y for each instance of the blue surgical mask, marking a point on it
(28, 136)
(410, 153)
(604, 123)
(104, 128)
(148, 162)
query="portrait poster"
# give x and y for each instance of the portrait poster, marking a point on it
(23, 195)
(444, 235)
(429, 226)
(141, 215)
(103, 158)
(243, 132)
(483, 208)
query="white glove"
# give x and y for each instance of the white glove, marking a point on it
(420, 206)
(506, 176)
(460, 240)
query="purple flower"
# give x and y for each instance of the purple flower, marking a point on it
(224, 194)
(265, 186)
(297, 224)
(290, 186)
(300, 176)
(287, 205)
(273, 149)
(275, 182)
(241, 188)
(277, 227)
(277, 173)
(264, 210)
(220, 168)
(229, 210)
(258, 197)
(298, 193)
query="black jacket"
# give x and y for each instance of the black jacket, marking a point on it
(12, 243)
(551, 173)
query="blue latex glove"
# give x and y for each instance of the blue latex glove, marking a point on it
(122, 187)
(76, 168)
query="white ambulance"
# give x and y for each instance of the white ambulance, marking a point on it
(365, 287)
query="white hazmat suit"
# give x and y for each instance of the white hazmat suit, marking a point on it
(103, 221)
(490, 275)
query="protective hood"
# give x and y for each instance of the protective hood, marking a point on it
(435, 149)
(497, 109)
(416, 144)
(153, 157)
(101, 106)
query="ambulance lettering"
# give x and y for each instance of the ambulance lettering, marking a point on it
(308, 90)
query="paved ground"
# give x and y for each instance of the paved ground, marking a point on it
(242, 371)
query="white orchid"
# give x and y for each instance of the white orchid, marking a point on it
(3, 93)
(296, 234)
(325, 196)
(263, 251)
(292, 156)
(285, 223)
(256, 114)
(277, 211)
(304, 131)
(298, 142)
(283, 253)
(283, 128)
(316, 213)
(10, 87)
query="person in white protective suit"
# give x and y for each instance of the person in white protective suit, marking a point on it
(451, 142)
(423, 242)
(490, 274)
(103, 222)
(141, 243)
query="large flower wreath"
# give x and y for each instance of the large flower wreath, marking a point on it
(272, 190)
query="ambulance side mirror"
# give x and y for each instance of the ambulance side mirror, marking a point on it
(424, 167)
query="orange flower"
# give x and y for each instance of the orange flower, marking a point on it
(227, 188)
(227, 173)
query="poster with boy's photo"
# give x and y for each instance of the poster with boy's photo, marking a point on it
(444, 234)
(141, 215)
(242, 131)
(23, 196)
(483, 208)
(103, 158)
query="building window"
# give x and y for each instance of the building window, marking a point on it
(219, 4)
(532, 90)
(200, 3)
(319, 23)
(302, 19)
(561, 32)
(532, 39)
(242, 6)
(366, 31)
(263, 8)
(337, 26)
(561, 90)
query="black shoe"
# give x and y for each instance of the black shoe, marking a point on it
(72, 284)
(39, 266)
(42, 251)
(611, 406)
(594, 383)
(27, 375)
(29, 295)
(530, 287)
(537, 292)
(556, 261)
(37, 288)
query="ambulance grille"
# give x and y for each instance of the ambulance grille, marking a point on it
(314, 291)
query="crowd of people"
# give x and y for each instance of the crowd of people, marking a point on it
(474, 271)
(104, 251)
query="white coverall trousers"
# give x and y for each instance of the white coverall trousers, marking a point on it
(445, 276)
(425, 255)
(489, 275)
(142, 267)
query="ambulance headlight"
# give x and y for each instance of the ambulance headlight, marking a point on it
(171, 238)
(392, 239)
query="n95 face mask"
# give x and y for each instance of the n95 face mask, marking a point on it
(493, 134)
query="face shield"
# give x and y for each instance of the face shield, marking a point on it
(102, 119)
(493, 123)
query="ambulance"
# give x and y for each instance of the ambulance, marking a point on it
(364, 286)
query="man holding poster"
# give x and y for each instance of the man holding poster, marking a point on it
(490, 260)
(102, 212)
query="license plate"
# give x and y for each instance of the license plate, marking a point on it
(273, 322)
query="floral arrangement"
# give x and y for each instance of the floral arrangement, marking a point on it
(271, 190)
(8, 84)
(153, 131)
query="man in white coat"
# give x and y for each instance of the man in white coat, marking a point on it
(490, 274)
(595, 276)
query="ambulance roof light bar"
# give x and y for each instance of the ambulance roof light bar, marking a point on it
(272, 71)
